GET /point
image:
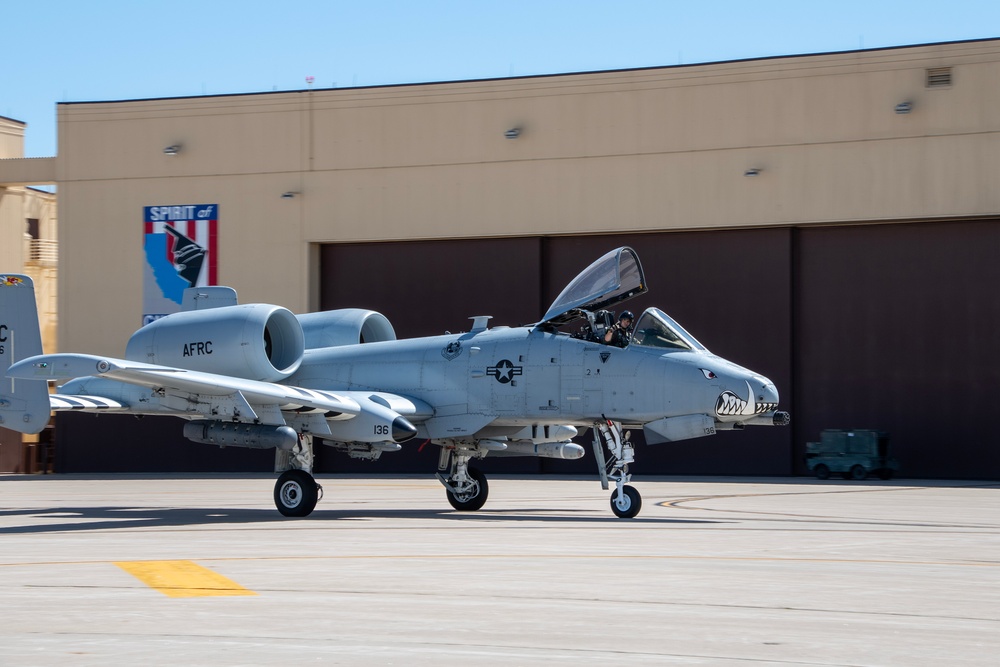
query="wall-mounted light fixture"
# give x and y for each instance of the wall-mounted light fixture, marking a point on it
(513, 133)
(904, 107)
(172, 150)
(290, 195)
(752, 171)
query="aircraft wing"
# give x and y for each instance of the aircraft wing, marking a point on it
(106, 384)
(53, 366)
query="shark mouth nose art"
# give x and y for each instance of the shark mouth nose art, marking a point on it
(731, 405)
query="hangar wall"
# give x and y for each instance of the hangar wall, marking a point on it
(413, 199)
(627, 151)
(693, 276)
(890, 327)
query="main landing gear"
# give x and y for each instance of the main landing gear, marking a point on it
(296, 491)
(625, 500)
(467, 487)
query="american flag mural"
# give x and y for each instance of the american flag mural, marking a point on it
(180, 248)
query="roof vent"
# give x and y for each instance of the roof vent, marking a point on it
(938, 77)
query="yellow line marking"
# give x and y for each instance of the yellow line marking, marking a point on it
(182, 578)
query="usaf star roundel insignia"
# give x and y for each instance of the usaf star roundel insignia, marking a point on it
(504, 371)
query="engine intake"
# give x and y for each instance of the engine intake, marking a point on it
(253, 341)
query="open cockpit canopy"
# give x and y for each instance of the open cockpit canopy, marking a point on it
(615, 277)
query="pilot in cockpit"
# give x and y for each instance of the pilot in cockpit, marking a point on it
(620, 333)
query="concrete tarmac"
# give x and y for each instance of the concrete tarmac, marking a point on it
(202, 570)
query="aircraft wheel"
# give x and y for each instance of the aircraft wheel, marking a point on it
(858, 472)
(296, 493)
(628, 505)
(822, 471)
(474, 500)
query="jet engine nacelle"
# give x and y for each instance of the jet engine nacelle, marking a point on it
(253, 341)
(346, 326)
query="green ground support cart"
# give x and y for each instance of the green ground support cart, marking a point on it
(853, 454)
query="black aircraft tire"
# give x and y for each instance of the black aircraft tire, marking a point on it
(632, 505)
(296, 493)
(475, 502)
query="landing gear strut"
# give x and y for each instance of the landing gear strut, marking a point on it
(625, 500)
(296, 491)
(467, 487)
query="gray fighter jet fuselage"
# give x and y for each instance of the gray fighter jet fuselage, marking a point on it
(507, 378)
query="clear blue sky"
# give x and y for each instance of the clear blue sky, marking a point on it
(71, 50)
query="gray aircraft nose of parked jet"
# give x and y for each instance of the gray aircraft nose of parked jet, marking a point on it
(745, 397)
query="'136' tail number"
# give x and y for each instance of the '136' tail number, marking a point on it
(381, 429)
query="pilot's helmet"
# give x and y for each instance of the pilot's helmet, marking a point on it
(626, 315)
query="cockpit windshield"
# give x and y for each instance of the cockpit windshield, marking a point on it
(656, 329)
(615, 277)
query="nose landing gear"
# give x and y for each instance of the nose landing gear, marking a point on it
(625, 500)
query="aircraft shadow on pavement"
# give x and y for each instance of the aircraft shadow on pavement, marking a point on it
(82, 519)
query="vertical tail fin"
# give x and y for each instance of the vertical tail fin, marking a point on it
(24, 404)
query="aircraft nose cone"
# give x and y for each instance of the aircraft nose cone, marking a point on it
(769, 393)
(766, 395)
(402, 430)
(769, 403)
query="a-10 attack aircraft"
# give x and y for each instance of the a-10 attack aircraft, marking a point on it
(258, 376)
